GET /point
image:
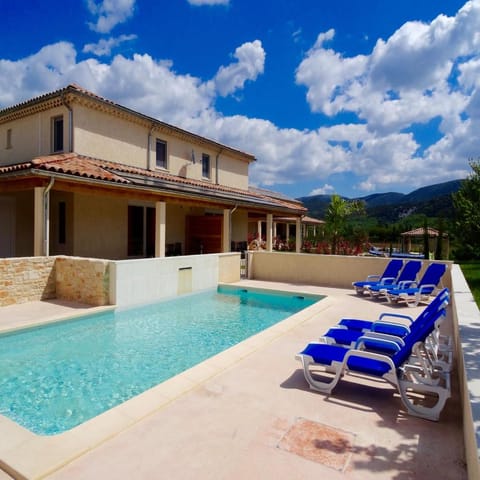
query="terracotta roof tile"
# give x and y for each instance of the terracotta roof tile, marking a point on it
(77, 165)
(88, 167)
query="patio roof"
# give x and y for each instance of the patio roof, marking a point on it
(75, 166)
(419, 232)
(306, 220)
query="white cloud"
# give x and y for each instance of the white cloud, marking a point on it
(403, 80)
(379, 150)
(325, 190)
(109, 13)
(328, 76)
(250, 63)
(105, 45)
(422, 72)
(133, 82)
(199, 3)
(36, 74)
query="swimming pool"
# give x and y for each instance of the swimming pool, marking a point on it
(55, 377)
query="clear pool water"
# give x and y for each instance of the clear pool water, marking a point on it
(55, 377)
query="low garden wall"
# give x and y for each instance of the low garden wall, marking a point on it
(102, 282)
(336, 271)
(148, 280)
(466, 317)
(84, 280)
(26, 279)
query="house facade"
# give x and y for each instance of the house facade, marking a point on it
(81, 175)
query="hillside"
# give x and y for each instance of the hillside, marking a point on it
(432, 201)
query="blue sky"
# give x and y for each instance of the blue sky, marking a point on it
(339, 96)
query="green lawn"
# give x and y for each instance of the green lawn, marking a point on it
(471, 271)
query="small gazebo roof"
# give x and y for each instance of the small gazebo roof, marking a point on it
(419, 232)
(305, 220)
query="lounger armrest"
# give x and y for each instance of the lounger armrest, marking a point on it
(371, 355)
(338, 327)
(326, 340)
(387, 281)
(381, 342)
(384, 336)
(427, 287)
(382, 327)
(406, 284)
(395, 315)
(372, 278)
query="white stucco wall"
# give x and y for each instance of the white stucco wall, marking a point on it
(148, 280)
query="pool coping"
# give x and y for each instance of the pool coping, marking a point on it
(24, 454)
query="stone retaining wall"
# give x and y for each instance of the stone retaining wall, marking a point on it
(26, 279)
(84, 280)
(30, 279)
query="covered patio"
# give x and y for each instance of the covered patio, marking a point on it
(70, 204)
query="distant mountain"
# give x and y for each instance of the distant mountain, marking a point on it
(381, 199)
(433, 201)
(433, 191)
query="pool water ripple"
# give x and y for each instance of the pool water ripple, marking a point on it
(55, 377)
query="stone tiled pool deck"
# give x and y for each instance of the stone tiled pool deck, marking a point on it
(247, 413)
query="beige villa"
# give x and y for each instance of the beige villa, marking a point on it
(81, 175)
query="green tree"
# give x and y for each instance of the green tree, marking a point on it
(336, 218)
(426, 245)
(467, 215)
(439, 246)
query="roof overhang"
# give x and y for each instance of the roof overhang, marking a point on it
(94, 172)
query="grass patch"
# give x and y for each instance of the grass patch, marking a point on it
(471, 271)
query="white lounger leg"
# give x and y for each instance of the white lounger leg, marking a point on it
(430, 413)
(324, 387)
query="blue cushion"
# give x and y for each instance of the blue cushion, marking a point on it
(368, 365)
(356, 324)
(325, 354)
(343, 336)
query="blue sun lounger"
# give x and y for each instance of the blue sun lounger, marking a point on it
(388, 325)
(415, 292)
(407, 276)
(394, 368)
(386, 278)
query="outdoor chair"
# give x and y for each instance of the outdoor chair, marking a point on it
(407, 275)
(389, 325)
(395, 368)
(415, 292)
(386, 278)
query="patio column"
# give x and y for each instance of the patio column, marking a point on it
(226, 247)
(287, 232)
(259, 230)
(274, 229)
(269, 231)
(160, 225)
(38, 221)
(298, 236)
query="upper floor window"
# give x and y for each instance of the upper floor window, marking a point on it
(57, 134)
(161, 154)
(8, 143)
(205, 165)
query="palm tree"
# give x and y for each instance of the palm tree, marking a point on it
(337, 215)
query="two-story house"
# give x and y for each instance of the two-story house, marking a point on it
(81, 175)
